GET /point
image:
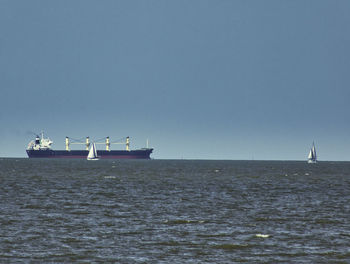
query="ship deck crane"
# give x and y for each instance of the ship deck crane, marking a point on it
(106, 142)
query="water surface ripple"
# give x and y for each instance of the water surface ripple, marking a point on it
(168, 211)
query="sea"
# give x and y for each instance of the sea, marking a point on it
(173, 211)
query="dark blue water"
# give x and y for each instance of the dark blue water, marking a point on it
(159, 211)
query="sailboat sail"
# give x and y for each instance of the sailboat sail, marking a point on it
(95, 151)
(314, 152)
(92, 153)
(312, 158)
(310, 154)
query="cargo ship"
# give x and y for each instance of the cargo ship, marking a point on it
(42, 148)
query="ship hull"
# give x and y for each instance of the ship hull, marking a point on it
(82, 154)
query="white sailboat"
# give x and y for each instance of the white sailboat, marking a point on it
(92, 153)
(312, 158)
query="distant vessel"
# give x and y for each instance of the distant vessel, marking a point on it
(41, 148)
(312, 158)
(92, 153)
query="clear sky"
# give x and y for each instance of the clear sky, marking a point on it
(201, 79)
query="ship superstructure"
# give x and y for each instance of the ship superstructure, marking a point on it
(42, 148)
(40, 143)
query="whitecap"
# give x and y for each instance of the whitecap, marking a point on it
(262, 235)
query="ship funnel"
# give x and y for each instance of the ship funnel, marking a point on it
(87, 144)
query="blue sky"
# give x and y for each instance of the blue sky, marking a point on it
(201, 79)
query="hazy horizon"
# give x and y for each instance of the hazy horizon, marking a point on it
(201, 79)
